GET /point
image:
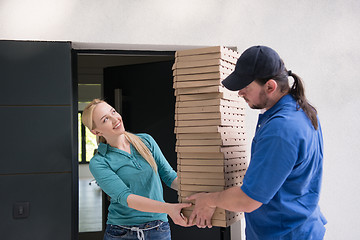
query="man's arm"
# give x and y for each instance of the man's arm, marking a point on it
(232, 199)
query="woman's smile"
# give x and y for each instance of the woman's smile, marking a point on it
(117, 125)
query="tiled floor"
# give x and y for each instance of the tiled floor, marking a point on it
(90, 206)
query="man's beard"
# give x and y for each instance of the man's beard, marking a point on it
(263, 101)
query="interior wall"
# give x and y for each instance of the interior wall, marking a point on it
(91, 65)
(318, 40)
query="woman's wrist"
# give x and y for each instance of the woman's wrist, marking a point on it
(168, 208)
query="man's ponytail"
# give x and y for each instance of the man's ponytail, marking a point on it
(298, 92)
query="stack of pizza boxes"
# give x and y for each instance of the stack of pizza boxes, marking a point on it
(209, 127)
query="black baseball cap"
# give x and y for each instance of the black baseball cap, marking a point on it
(254, 63)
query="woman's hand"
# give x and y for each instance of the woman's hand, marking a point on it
(174, 212)
(149, 205)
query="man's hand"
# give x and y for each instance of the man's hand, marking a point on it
(203, 210)
(176, 215)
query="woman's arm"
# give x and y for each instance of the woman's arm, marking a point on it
(148, 205)
(175, 184)
(166, 172)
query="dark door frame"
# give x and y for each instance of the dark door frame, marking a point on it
(44, 70)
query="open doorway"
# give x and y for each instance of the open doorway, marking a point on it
(92, 67)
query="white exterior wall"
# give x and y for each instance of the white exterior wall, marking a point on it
(318, 40)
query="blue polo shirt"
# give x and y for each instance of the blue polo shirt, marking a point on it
(285, 175)
(120, 174)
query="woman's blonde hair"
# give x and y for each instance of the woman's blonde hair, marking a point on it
(87, 119)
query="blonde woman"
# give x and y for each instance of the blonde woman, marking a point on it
(128, 167)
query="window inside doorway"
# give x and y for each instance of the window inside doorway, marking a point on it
(87, 140)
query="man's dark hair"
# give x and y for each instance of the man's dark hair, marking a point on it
(297, 91)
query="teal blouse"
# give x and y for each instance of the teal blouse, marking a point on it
(120, 174)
